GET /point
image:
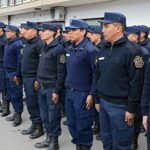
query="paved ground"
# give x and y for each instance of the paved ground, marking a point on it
(11, 138)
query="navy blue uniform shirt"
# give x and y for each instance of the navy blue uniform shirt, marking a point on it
(12, 56)
(80, 66)
(52, 66)
(118, 73)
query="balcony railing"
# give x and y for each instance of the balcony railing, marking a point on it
(7, 3)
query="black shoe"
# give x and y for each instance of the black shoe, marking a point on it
(6, 110)
(11, 118)
(29, 130)
(38, 131)
(17, 120)
(96, 129)
(1, 108)
(85, 147)
(53, 143)
(44, 144)
(65, 123)
(78, 147)
(98, 137)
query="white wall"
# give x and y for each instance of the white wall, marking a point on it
(136, 11)
(35, 17)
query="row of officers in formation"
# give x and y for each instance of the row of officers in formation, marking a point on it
(101, 74)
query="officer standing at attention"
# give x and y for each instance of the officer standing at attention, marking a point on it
(2, 72)
(94, 33)
(116, 78)
(30, 61)
(79, 92)
(51, 77)
(133, 35)
(12, 66)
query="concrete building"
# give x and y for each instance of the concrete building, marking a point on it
(19, 11)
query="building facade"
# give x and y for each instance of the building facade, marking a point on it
(19, 11)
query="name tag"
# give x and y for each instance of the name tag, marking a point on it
(101, 58)
(68, 55)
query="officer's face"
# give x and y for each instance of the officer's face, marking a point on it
(77, 34)
(67, 36)
(93, 37)
(133, 37)
(111, 31)
(46, 35)
(10, 34)
(30, 34)
(23, 31)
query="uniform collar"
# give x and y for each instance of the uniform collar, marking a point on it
(80, 46)
(13, 40)
(118, 42)
(144, 42)
(34, 40)
(50, 45)
(59, 37)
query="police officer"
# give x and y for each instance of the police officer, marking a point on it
(51, 76)
(133, 34)
(2, 73)
(30, 61)
(12, 66)
(79, 92)
(145, 107)
(94, 33)
(117, 81)
(144, 41)
(59, 36)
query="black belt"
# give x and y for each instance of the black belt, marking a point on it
(46, 85)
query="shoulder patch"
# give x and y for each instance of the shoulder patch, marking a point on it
(138, 61)
(63, 59)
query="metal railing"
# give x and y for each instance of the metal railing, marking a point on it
(8, 3)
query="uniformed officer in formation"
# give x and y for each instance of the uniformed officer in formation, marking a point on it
(95, 35)
(50, 75)
(12, 66)
(2, 72)
(31, 55)
(133, 34)
(79, 91)
(116, 75)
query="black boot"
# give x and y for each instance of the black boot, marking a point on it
(44, 144)
(78, 147)
(135, 142)
(38, 131)
(17, 120)
(96, 128)
(11, 118)
(6, 110)
(65, 123)
(86, 147)
(30, 130)
(54, 143)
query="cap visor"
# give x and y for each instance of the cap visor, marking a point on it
(105, 21)
(72, 27)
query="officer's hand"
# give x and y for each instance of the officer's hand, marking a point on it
(97, 107)
(89, 102)
(36, 85)
(145, 121)
(17, 80)
(55, 98)
(129, 117)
